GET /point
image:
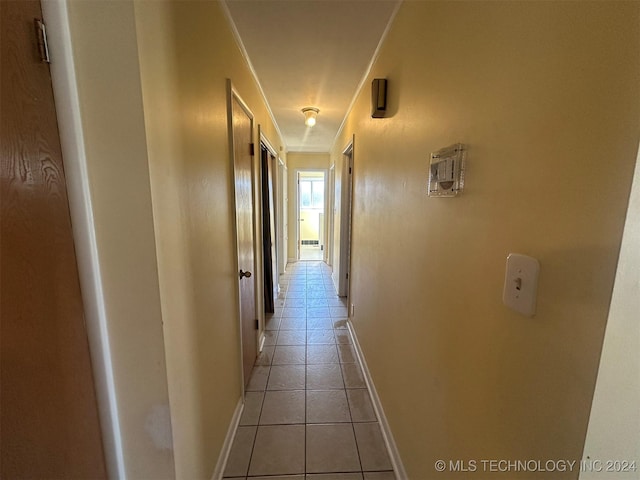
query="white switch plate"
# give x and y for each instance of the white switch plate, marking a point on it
(521, 284)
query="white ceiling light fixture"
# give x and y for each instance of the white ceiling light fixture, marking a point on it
(310, 114)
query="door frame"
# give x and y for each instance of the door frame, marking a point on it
(282, 200)
(66, 97)
(346, 214)
(331, 216)
(232, 94)
(297, 210)
(273, 165)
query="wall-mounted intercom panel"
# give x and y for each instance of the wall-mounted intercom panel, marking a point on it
(378, 97)
(446, 171)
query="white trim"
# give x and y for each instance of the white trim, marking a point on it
(394, 454)
(64, 82)
(264, 139)
(368, 70)
(228, 442)
(346, 219)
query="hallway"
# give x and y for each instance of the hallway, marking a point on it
(307, 409)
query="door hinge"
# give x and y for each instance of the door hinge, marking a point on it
(349, 170)
(41, 37)
(252, 149)
(257, 324)
(347, 275)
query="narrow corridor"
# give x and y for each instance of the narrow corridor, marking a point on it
(307, 408)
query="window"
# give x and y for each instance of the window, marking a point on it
(312, 193)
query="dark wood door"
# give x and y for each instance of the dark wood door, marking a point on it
(243, 167)
(49, 418)
(268, 231)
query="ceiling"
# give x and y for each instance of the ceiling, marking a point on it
(310, 53)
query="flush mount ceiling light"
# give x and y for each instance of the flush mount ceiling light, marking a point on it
(310, 114)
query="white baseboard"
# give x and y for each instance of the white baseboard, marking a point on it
(394, 455)
(228, 442)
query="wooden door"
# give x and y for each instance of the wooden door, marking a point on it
(243, 167)
(48, 419)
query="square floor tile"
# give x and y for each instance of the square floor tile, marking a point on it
(324, 377)
(272, 323)
(319, 323)
(270, 337)
(289, 355)
(334, 476)
(373, 451)
(293, 323)
(338, 311)
(340, 324)
(286, 377)
(280, 477)
(293, 312)
(343, 337)
(318, 337)
(278, 450)
(336, 301)
(240, 453)
(296, 287)
(327, 406)
(331, 448)
(296, 294)
(252, 407)
(314, 312)
(322, 354)
(317, 302)
(292, 337)
(317, 293)
(258, 379)
(265, 356)
(347, 354)
(379, 476)
(353, 376)
(283, 407)
(295, 303)
(360, 405)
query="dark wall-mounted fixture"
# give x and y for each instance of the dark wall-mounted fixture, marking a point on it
(378, 97)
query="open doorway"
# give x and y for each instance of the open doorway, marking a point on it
(269, 224)
(346, 202)
(311, 215)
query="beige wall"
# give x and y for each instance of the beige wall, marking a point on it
(159, 178)
(187, 52)
(545, 95)
(296, 162)
(105, 58)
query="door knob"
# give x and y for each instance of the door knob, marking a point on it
(244, 274)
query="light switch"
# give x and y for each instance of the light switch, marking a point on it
(521, 284)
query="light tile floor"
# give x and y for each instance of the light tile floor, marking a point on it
(308, 414)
